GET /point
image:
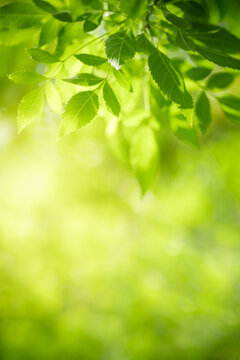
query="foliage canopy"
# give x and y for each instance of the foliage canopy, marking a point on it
(163, 61)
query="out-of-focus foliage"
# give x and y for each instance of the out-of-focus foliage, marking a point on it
(161, 58)
(88, 269)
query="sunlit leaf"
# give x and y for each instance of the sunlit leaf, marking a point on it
(30, 108)
(53, 97)
(111, 99)
(79, 111)
(119, 48)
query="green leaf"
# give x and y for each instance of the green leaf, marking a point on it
(42, 56)
(92, 60)
(122, 79)
(119, 48)
(53, 97)
(192, 9)
(26, 78)
(231, 106)
(11, 37)
(144, 156)
(215, 37)
(20, 15)
(203, 112)
(111, 100)
(182, 129)
(144, 45)
(80, 110)
(63, 16)
(92, 22)
(30, 108)
(198, 73)
(132, 8)
(184, 42)
(169, 79)
(175, 20)
(219, 58)
(85, 79)
(49, 32)
(220, 80)
(45, 6)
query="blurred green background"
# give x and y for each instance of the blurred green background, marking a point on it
(89, 269)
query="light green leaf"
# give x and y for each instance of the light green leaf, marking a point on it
(182, 129)
(220, 80)
(42, 56)
(80, 110)
(11, 37)
(119, 48)
(169, 79)
(123, 79)
(111, 100)
(192, 9)
(26, 78)
(132, 8)
(85, 79)
(30, 108)
(53, 97)
(231, 106)
(89, 59)
(203, 112)
(144, 156)
(219, 58)
(20, 15)
(198, 73)
(49, 32)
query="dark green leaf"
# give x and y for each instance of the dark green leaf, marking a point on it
(85, 79)
(219, 58)
(80, 110)
(169, 79)
(203, 112)
(89, 59)
(198, 73)
(175, 20)
(111, 100)
(215, 37)
(192, 9)
(231, 106)
(119, 48)
(45, 6)
(184, 42)
(143, 44)
(220, 80)
(63, 16)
